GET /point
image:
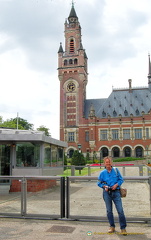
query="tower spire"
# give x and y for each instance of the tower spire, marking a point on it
(149, 72)
(149, 68)
(72, 12)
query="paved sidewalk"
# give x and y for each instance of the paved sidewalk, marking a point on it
(23, 229)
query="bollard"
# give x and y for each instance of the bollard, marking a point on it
(72, 170)
(124, 171)
(140, 170)
(89, 171)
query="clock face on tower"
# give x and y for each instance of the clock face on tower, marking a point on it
(71, 87)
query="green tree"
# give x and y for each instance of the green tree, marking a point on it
(78, 158)
(24, 123)
(44, 129)
(12, 123)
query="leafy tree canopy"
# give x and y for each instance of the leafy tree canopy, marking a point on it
(22, 124)
(44, 129)
(12, 123)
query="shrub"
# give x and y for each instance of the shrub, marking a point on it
(126, 159)
(78, 159)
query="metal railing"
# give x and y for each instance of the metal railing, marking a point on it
(72, 198)
(143, 170)
(73, 179)
(17, 204)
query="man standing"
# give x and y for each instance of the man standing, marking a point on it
(110, 181)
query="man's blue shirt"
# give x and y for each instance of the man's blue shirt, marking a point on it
(110, 178)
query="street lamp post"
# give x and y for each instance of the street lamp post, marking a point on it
(79, 148)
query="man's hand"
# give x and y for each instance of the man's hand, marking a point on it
(114, 186)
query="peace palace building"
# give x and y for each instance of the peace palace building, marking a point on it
(119, 126)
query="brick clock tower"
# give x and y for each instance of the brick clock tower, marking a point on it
(72, 73)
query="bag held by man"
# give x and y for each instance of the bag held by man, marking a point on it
(123, 191)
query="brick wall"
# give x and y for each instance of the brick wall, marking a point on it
(32, 185)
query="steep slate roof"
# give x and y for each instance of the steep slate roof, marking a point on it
(60, 48)
(72, 12)
(121, 102)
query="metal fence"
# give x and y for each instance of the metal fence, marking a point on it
(90, 205)
(75, 197)
(48, 203)
(142, 170)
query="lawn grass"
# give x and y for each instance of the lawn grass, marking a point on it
(84, 172)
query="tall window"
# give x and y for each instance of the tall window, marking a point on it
(54, 156)
(138, 133)
(87, 136)
(47, 155)
(147, 133)
(27, 154)
(126, 133)
(115, 134)
(103, 134)
(71, 46)
(71, 137)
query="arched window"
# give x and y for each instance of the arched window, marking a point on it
(127, 152)
(70, 153)
(65, 62)
(139, 152)
(75, 61)
(116, 152)
(71, 46)
(104, 152)
(70, 61)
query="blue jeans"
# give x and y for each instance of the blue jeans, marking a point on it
(116, 198)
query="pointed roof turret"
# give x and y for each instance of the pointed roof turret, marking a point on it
(60, 48)
(72, 14)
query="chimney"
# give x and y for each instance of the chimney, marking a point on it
(130, 85)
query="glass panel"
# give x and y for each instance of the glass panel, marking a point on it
(126, 133)
(147, 133)
(138, 133)
(60, 156)
(115, 134)
(54, 156)
(27, 154)
(87, 136)
(103, 134)
(71, 137)
(4, 161)
(47, 155)
(10, 197)
(43, 197)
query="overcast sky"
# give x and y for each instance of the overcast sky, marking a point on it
(115, 33)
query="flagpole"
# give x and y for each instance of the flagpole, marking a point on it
(17, 121)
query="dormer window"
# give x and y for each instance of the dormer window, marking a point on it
(137, 112)
(114, 113)
(104, 114)
(126, 112)
(71, 46)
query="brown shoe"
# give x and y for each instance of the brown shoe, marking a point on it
(111, 230)
(123, 232)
